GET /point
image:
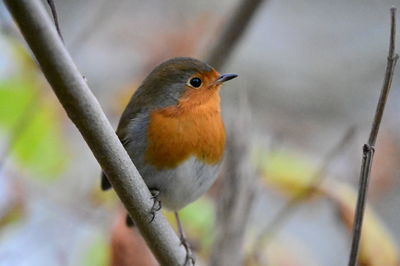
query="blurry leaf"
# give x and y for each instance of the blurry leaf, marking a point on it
(284, 251)
(99, 198)
(14, 97)
(40, 146)
(23, 59)
(12, 201)
(12, 215)
(199, 218)
(97, 254)
(289, 173)
(377, 248)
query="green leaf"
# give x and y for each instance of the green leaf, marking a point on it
(97, 253)
(40, 146)
(291, 173)
(15, 95)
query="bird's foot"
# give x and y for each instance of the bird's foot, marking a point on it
(189, 260)
(156, 203)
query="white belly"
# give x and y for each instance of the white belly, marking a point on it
(182, 185)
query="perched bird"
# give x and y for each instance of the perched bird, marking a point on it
(173, 131)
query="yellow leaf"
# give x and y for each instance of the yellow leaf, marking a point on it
(288, 172)
(285, 250)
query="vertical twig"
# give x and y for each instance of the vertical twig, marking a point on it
(369, 148)
(231, 34)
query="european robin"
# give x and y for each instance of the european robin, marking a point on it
(173, 131)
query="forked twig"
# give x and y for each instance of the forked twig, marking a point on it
(369, 148)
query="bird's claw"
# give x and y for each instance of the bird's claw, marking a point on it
(189, 256)
(156, 204)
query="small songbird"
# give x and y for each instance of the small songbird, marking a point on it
(173, 131)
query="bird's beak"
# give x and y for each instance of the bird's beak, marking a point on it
(225, 77)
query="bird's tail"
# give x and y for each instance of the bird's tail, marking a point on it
(105, 184)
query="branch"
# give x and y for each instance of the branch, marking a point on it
(369, 149)
(231, 34)
(86, 113)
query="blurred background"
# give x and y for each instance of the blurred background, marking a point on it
(310, 73)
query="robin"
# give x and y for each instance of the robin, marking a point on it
(174, 133)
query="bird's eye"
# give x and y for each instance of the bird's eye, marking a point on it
(195, 82)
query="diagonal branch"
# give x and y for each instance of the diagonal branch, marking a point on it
(86, 113)
(369, 148)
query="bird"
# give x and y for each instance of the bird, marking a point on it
(173, 131)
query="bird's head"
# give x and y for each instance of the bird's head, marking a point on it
(186, 80)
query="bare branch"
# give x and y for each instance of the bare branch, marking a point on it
(369, 148)
(231, 34)
(86, 113)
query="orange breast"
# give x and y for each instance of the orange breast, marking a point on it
(192, 128)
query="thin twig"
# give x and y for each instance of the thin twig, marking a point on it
(369, 148)
(231, 34)
(55, 17)
(84, 110)
(287, 210)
